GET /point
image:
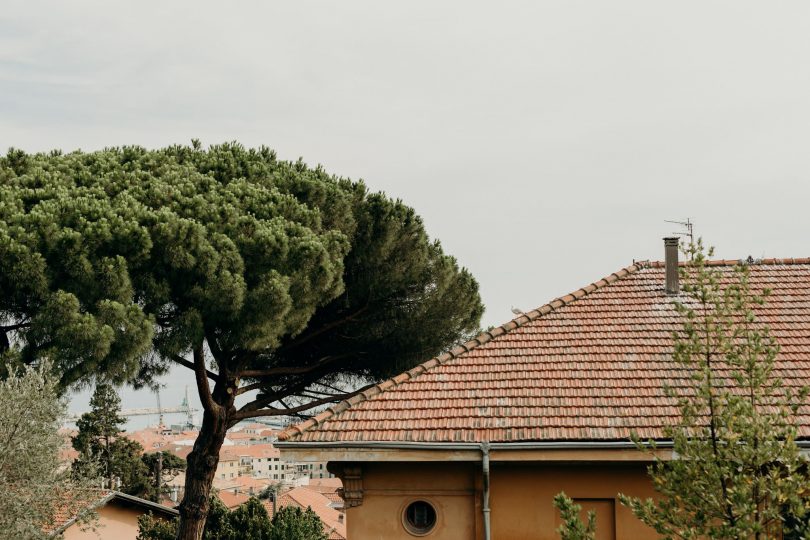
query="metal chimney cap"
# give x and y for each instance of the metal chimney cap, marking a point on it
(671, 285)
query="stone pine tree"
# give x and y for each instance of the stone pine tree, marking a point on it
(737, 473)
(572, 526)
(104, 451)
(271, 281)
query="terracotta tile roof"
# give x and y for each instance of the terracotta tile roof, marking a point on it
(74, 504)
(256, 451)
(328, 487)
(253, 426)
(325, 485)
(232, 500)
(334, 498)
(181, 451)
(245, 482)
(240, 436)
(229, 453)
(152, 438)
(587, 366)
(304, 498)
(77, 503)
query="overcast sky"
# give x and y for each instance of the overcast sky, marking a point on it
(544, 143)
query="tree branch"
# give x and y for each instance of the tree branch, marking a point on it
(317, 394)
(325, 328)
(265, 400)
(256, 373)
(243, 414)
(11, 327)
(201, 375)
(301, 385)
(190, 365)
(250, 387)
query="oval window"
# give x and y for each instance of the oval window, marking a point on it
(420, 517)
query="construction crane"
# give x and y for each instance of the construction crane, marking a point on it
(159, 408)
(161, 411)
(189, 410)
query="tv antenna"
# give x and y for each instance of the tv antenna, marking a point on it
(687, 225)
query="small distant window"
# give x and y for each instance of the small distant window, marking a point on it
(419, 518)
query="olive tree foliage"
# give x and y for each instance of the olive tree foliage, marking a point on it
(572, 526)
(32, 482)
(738, 473)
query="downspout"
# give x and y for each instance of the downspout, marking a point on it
(485, 470)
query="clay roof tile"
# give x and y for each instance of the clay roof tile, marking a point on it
(589, 365)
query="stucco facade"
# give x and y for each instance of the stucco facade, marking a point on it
(379, 486)
(114, 521)
(521, 495)
(520, 499)
(116, 516)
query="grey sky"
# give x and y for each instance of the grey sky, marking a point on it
(543, 142)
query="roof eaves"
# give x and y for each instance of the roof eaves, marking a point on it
(81, 513)
(455, 352)
(144, 503)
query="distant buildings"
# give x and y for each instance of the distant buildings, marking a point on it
(249, 464)
(247, 451)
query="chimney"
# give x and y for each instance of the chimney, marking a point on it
(340, 518)
(671, 264)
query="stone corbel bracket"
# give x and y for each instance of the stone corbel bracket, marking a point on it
(352, 492)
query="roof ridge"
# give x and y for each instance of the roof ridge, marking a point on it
(732, 262)
(458, 350)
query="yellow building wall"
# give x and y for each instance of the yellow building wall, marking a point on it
(388, 488)
(114, 522)
(520, 499)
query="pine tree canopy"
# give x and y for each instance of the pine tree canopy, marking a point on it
(121, 261)
(269, 279)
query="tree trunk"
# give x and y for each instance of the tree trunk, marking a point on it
(202, 465)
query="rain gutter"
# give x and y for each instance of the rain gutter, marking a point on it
(485, 473)
(538, 445)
